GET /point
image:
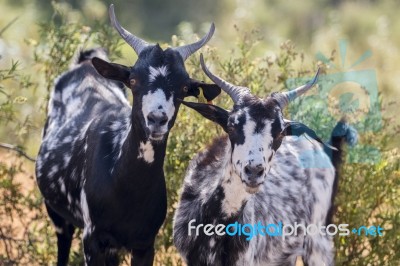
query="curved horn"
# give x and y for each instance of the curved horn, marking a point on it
(235, 92)
(136, 43)
(285, 97)
(187, 50)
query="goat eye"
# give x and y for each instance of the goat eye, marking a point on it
(132, 82)
(185, 89)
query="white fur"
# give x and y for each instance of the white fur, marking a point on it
(235, 194)
(157, 71)
(268, 205)
(151, 103)
(254, 150)
(85, 209)
(146, 152)
(59, 230)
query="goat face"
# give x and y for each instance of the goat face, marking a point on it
(157, 80)
(255, 128)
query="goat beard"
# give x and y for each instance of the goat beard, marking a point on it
(252, 190)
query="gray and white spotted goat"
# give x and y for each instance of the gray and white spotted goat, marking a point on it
(265, 170)
(100, 164)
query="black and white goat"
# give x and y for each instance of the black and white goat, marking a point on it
(265, 171)
(100, 164)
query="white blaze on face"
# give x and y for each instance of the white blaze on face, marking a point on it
(256, 148)
(157, 103)
(157, 71)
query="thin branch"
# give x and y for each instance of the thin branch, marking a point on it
(16, 149)
(8, 25)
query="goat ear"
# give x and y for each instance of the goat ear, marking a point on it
(210, 91)
(211, 112)
(293, 128)
(111, 70)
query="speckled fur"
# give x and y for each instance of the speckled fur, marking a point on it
(290, 194)
(215, 191)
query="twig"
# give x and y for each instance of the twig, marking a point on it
(8, 25)
(16, 149)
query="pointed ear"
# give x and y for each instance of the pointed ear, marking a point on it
(111, 70)
(210, 91)
(211, 112)
(293, 128)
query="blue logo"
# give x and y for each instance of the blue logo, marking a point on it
(279, 229)
(350, 94)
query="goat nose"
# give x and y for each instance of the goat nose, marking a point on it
(254, 171)
(157, 119)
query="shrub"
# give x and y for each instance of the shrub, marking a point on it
(368, 193)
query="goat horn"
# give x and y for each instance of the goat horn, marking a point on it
(285, 97)
(187, 50)
(136, 43)
(235, 92)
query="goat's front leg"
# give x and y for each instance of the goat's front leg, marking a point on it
(65, 232)
(91, 249)
(142, 257)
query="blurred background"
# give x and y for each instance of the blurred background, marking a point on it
(262, 44)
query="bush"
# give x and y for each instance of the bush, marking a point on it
(368, 194)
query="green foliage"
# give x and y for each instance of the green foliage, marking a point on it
(60, 43)
(12, 82)
(14, 207)
(24, 228)
(368, 194)
(26, 234)
(192, 133)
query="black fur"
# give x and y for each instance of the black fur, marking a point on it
(93, 168)
(341, 134)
